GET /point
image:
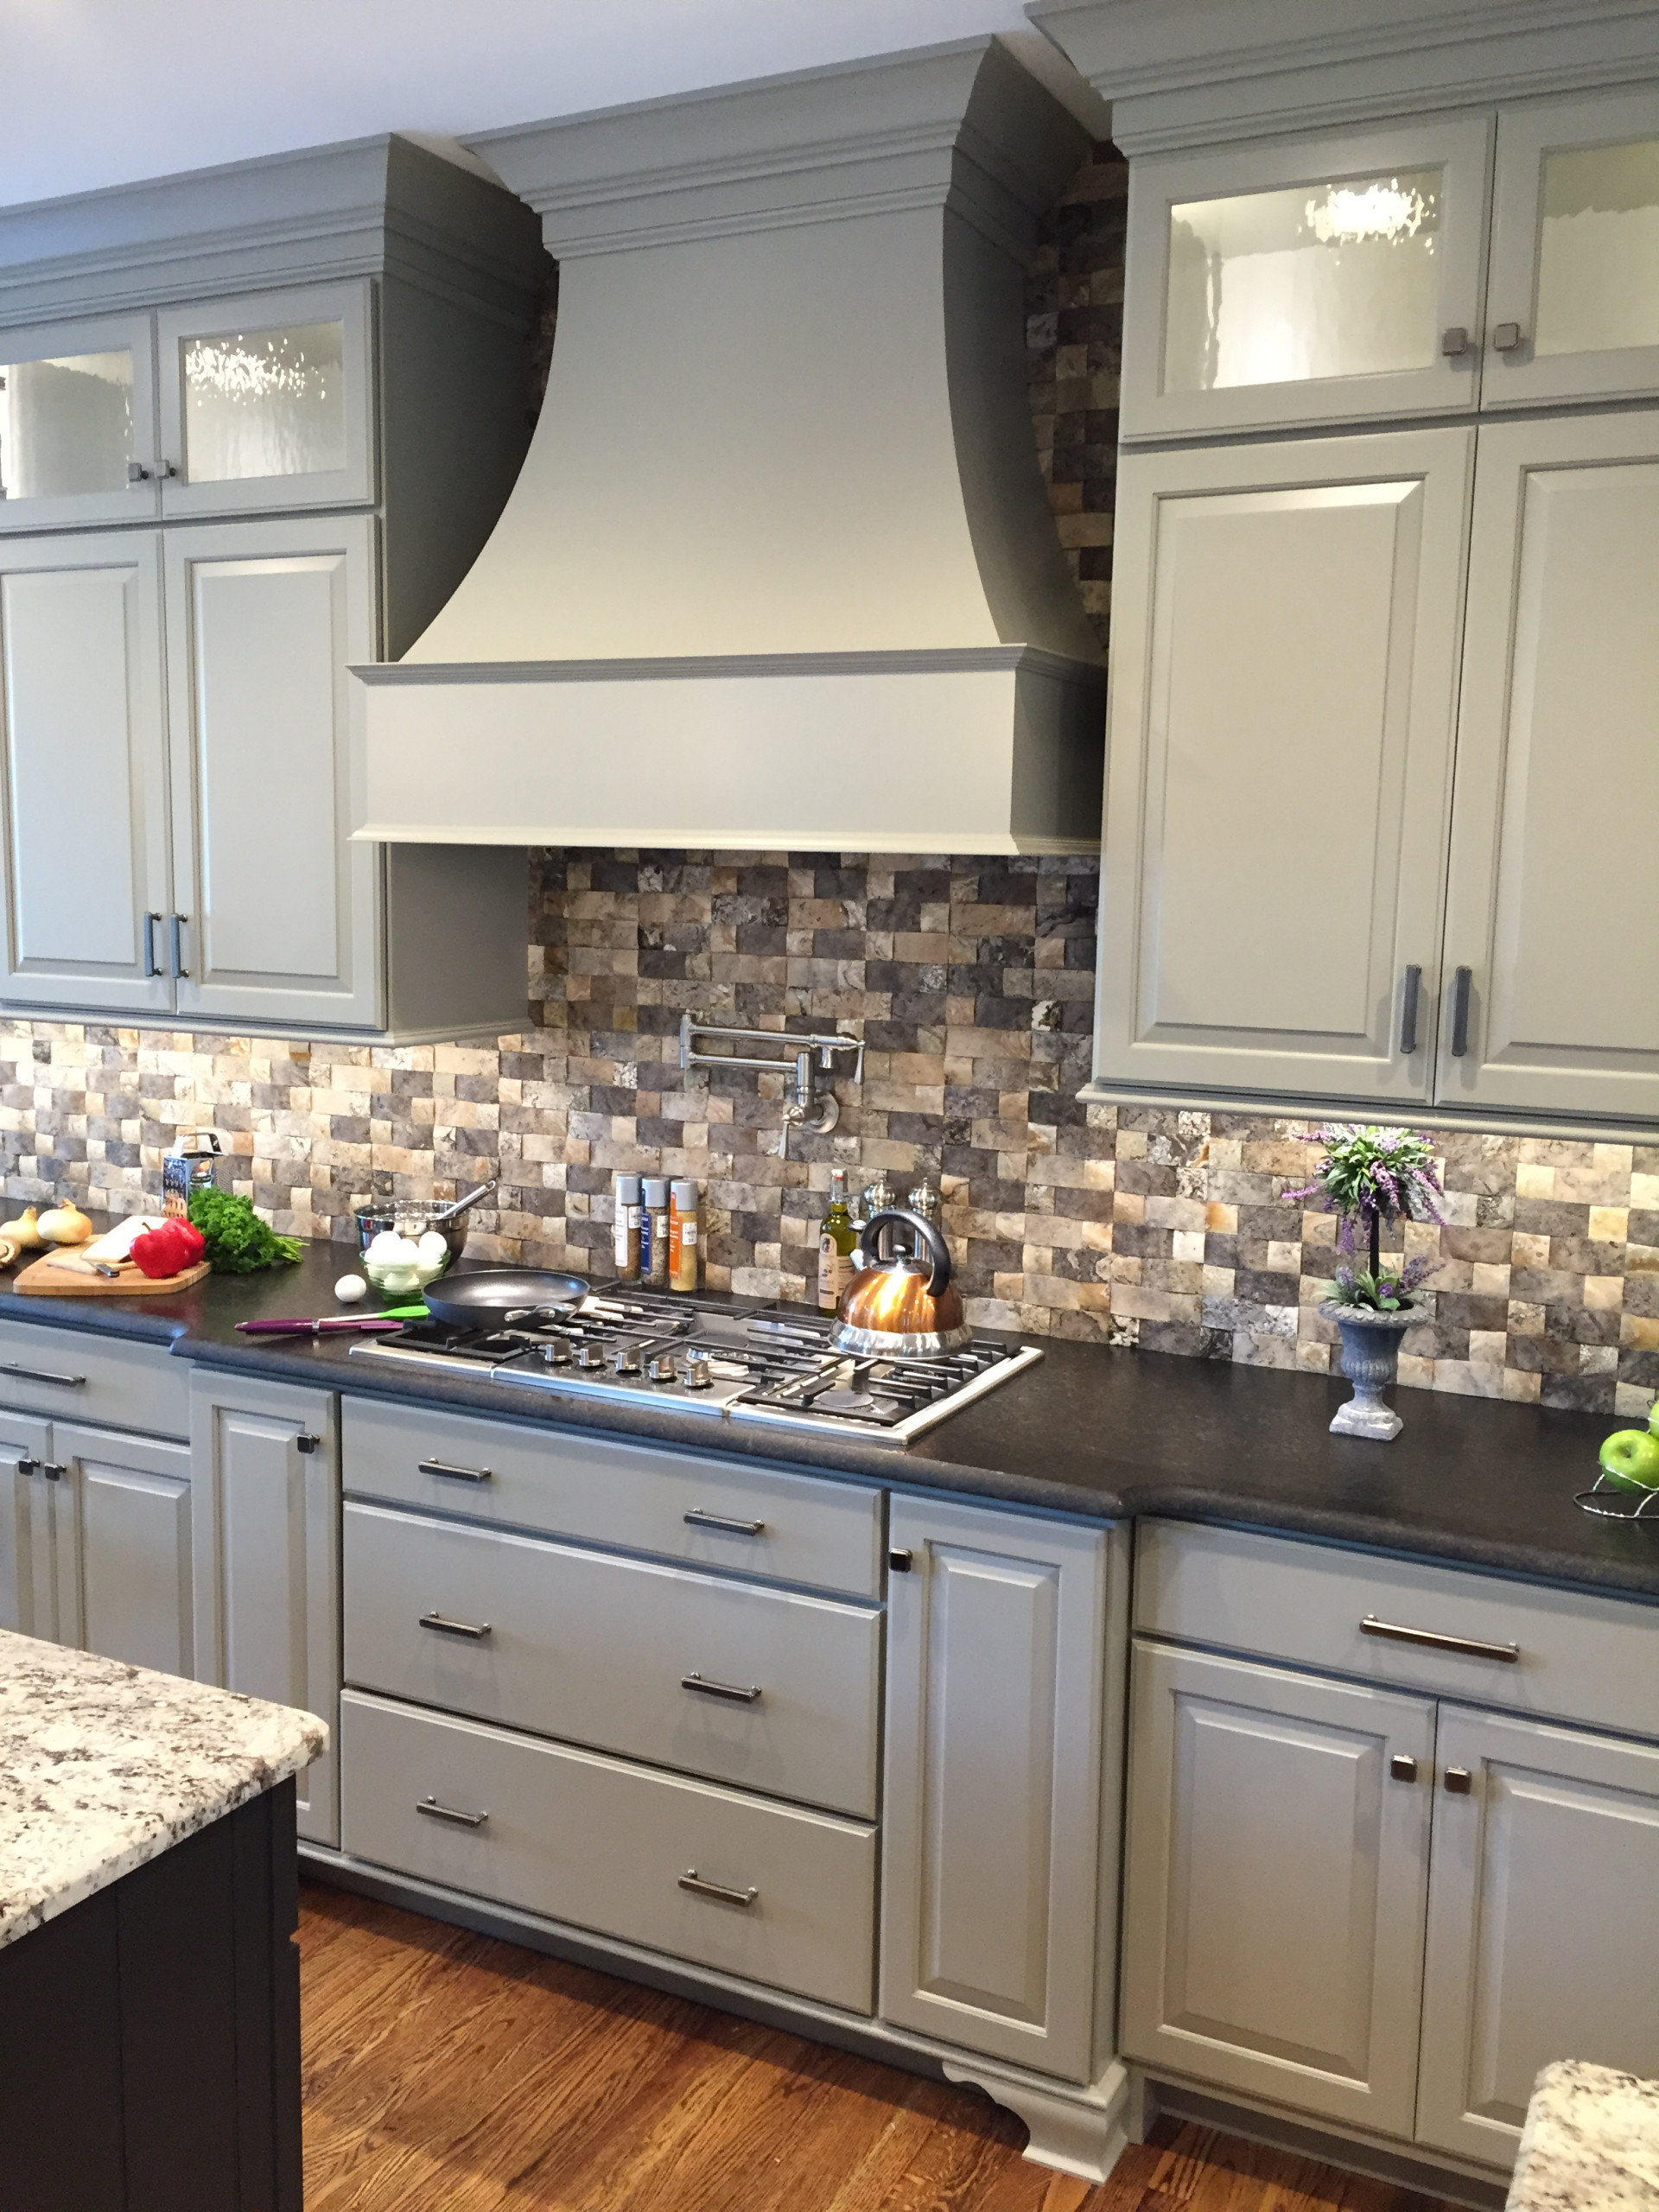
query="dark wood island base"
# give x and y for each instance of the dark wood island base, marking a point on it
(149, 2037)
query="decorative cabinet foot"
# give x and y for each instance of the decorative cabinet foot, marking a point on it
(1078, 2131)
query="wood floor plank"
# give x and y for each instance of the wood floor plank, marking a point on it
(447, 2072)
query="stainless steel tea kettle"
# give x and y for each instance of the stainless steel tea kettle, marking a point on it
(903, 1302)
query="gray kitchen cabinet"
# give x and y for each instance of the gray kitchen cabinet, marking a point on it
(86, 858)
(266, 1462)
(992, 1917)
(342, 333)
(120, 1541)
(1573, 297)
(1557, 777)
(1274, 1900)
(26, 1590)
(1284, 624)
(1540, 1944)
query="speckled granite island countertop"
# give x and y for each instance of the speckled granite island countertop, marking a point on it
(1591, 2143)
(103, 1766)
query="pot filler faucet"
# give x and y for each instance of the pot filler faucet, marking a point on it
(807, 1061)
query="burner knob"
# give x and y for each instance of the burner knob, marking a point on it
(590, 1357)
(557, 1354)
(663, 1370)
(626, 1361)
(697, 1374)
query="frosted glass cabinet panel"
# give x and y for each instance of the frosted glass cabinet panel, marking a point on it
(77, 425)
(1285, 633)
(1319, 281)
(1558, 775)
(1573, 307)
(267, 401)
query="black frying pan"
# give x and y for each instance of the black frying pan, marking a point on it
(477, 1296)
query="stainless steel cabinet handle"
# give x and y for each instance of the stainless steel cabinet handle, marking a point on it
(1509, 1653)
(1462, 978)
(53, 1470)
(27, 1466)
(175, 944)
(735, 1691)
(433, 1811)
(1402, 1767)
(1454, 343)
(900, 1562)
(1408, 997)
(1459, 1781)
(41, 1375)
(136, 473)
(693, 1881)
(696, 1518)
(455, 1474)
(307, 1443)
(1506, 337)
(474, 1632)
(152, 965)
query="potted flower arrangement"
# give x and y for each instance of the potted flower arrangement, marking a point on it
(1370, 1176)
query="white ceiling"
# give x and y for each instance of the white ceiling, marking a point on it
(102, 91)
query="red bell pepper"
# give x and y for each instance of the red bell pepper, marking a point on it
(168, 1250)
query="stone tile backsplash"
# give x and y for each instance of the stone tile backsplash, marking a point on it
(970, 982)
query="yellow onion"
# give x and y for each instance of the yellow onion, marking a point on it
(65, 1224)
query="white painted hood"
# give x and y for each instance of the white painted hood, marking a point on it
(779, 569)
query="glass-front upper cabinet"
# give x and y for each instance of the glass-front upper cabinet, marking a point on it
(1312, 281)
(266, 401)
(77, 425)
(1573, 303)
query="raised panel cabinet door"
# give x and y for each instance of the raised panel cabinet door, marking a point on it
(279, 909)
(1315, 280)
(995, 1658)
(1573, 296)
(265, 1460)
(123, 1548)
(1274, 1900)
(267, 401)
(85, 765)
(1285, 625)
(1557, 778)
(78, 424)
(1540, 1945)
(28, 1590)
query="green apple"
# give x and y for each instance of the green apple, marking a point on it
(1630, 1460)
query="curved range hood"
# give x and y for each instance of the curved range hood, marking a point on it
(779, 571)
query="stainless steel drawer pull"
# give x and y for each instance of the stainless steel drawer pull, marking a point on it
(1509, 1653)
(1402, 1767)
(734, 1691)
(1458, 1780)
(433, 1811)
(693, 1881)
(474, 1632)
(456, 1474)
(696, 1518)
(42, 1375)
(53, 1470)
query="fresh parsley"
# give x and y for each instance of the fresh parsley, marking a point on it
(238, 1240)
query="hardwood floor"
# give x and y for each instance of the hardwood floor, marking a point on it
(448, 2073)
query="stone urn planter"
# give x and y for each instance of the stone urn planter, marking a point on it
(1370, 1360)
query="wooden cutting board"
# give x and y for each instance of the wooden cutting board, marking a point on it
(44, 1278)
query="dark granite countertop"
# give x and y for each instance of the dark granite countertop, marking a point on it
(1105, 1435)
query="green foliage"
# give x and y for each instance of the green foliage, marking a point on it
(238, 1241)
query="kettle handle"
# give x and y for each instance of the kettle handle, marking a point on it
(928, 1237)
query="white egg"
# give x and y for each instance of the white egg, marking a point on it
(398, 1282)
(433, 1249)
(350, 1288)
(388, 1245)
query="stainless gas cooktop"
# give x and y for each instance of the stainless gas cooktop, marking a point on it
(770, 1364)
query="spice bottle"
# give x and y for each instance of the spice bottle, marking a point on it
(653, 1232)
(836, 1237)
(682, 1236)
(628, 1227)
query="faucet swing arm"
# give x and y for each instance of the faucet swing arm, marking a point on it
(807, 1061)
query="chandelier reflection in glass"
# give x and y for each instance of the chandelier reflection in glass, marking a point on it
(267, 403)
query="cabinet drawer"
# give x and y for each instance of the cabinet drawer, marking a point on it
(104, 1380)
(603, 1844)
(600, 1649)
(1579, 1657)
(679, 1504)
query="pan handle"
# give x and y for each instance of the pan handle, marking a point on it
(928, 1240)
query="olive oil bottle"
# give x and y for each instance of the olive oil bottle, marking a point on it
(836, 1238)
